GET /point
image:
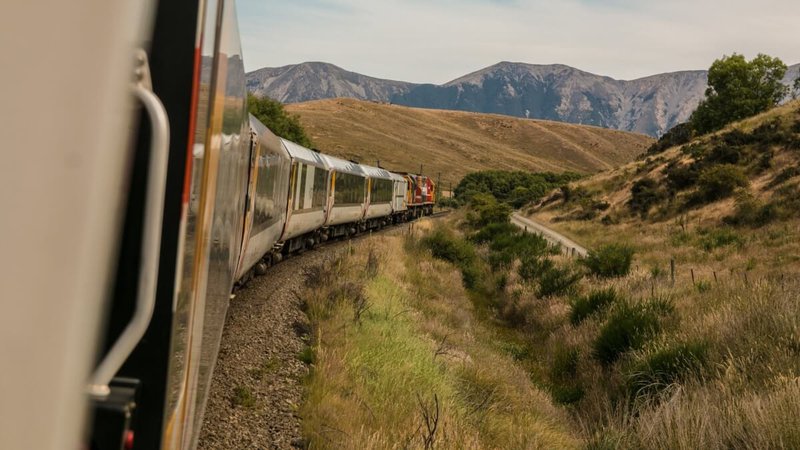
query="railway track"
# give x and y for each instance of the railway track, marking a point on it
(257, 381)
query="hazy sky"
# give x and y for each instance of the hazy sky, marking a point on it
(435, 41)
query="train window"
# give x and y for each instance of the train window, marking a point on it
(381, 191)
(265, 212)
(349, 189)
(320, 187)
(300, 193)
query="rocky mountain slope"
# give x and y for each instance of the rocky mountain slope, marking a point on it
(454, 143)
(317, 80)
(650, 105)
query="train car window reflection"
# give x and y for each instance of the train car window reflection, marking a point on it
(349, 189)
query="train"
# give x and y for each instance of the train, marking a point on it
(298, 198)
(134, 203)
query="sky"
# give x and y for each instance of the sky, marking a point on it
(435, 41)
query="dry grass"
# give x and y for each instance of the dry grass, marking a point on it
(735, 294)
(456, 143)
(418, 351)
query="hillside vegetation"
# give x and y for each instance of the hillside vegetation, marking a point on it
(457, 143)
(707, 356)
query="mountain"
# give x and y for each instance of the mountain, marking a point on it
(318, 80)
(454, 143)
(650, 105)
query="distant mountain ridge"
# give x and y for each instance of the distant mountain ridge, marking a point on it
(650, 105)
(317, 80)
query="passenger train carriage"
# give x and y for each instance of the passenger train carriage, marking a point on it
(157, 194)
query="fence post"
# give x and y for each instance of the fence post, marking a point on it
(692, 270)
(672, 270)
(715, 277)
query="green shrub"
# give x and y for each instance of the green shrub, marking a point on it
(447, 202)
(724, 154)
(629, 327)
(666, 366)
(445, 245)
(565, 364)
(493, 230)
(558, 281)
(567, 394)
(596, 301)
(681, 176)
(720, 181)
(533, 266)
(679, 134)
(517, 187)
(645, 193)
(613, 260)
(563, 373)
(721, 237)
(306, 355)
(243, 396)
(272, 114)
(751, 212)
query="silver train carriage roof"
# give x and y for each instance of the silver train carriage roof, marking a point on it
(344, 166)
(377, 172)
(305, 155)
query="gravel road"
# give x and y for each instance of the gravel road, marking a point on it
(257, 383)
(547, 233)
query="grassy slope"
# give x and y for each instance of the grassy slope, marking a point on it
(456, 143)
(419, 338)
(735, 295)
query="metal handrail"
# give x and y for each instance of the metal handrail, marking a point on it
(151, 237)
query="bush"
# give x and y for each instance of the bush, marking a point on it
(557, 281)
(563, 373)
(494, 230)
(567, 394)
(681, 176)
(444, 245)
(613, 260)
(679, 134)
(283, 124)
(713, 239)
(666, 366)
(751, 212)
(517, 187)
(629, 327)
(447, 202)
(533, 266)
(645, 193)
(583, 307)
(720, 181)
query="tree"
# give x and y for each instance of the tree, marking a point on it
(796, 88)
(737, 89)
(272, 114)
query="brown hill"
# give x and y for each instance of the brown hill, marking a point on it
(455, 143)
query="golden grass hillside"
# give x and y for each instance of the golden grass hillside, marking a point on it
(720, 367)
(456, 143)
(751, 228)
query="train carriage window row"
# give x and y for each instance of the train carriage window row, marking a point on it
(381, 191)
(310, 187)
(349, 189)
